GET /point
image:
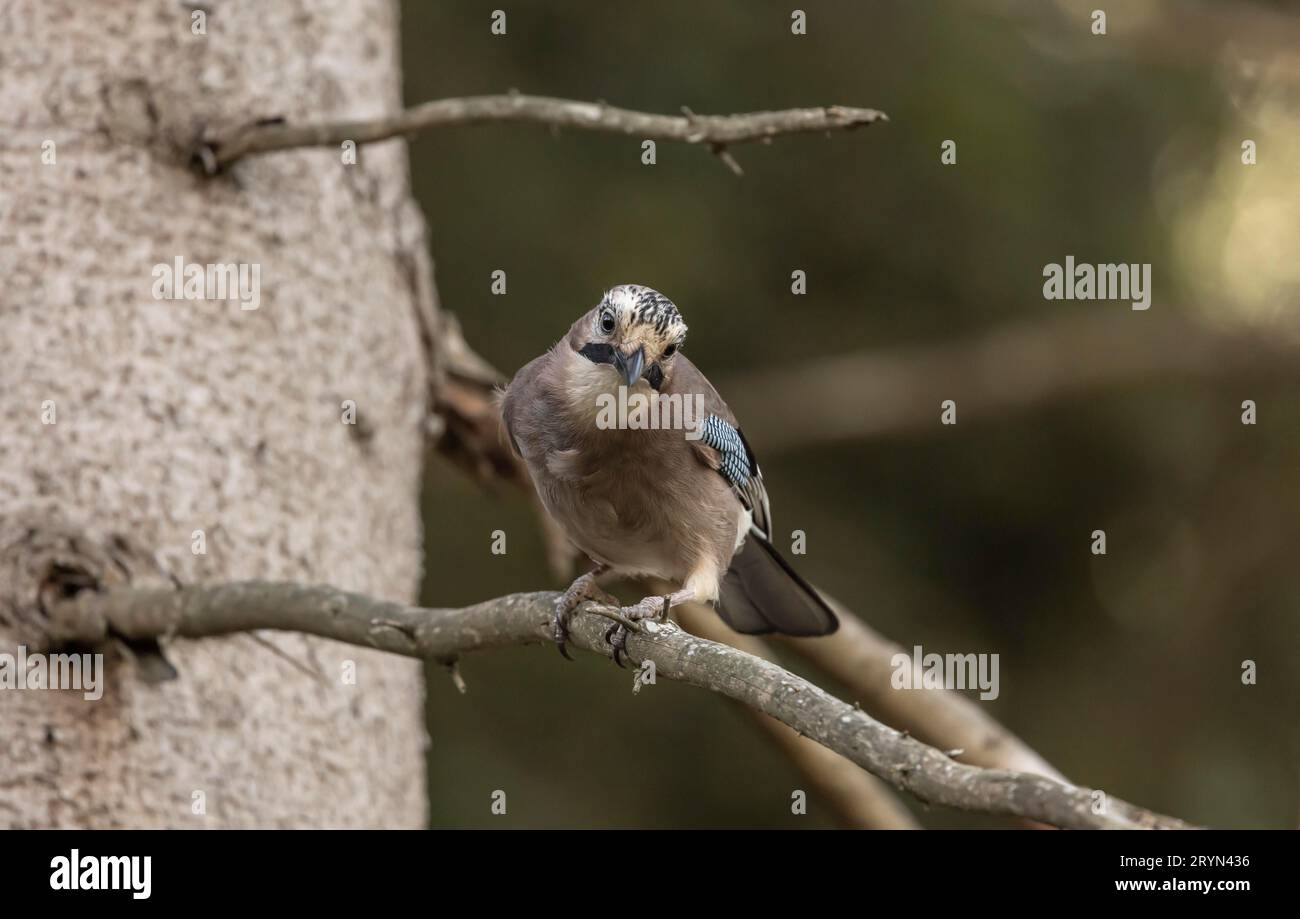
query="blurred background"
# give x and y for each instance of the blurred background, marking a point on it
(1123, 670)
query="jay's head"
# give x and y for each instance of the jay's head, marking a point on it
(635, 332)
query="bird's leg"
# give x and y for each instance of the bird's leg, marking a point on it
(584, 588)
(653, 607)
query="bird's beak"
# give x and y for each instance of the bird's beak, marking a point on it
(630, 365)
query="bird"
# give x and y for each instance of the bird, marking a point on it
(682, 500)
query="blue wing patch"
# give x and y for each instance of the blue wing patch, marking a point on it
(736, 463)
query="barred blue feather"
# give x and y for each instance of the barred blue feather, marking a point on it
(737, 465)
(727, 441)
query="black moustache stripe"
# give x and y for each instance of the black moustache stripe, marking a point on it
(598, 352)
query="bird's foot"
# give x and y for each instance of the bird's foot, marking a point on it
(584, 588)
(629, 619)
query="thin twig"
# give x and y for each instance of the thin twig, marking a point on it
(517, 619)
(716, 131)
(453, 671)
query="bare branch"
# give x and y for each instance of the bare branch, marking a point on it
(862, 660)
(858, 799)
(715, 131)
(1016, 367)
(442, 635)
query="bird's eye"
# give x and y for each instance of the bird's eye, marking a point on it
(670, 351)
(607, 322)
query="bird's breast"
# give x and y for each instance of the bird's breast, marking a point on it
(623, 510)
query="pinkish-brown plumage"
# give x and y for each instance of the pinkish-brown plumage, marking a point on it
(654, 502)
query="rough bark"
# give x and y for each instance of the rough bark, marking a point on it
(176, 416)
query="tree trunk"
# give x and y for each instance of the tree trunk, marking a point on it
(177, 416)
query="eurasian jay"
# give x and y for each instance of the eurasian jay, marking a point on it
(680, 499)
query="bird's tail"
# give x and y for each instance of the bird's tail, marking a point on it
(761, 593)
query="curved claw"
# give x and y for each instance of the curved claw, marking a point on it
(615, 638)
(561, 636)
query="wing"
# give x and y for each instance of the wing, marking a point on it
(760, 592)
(723, 447)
